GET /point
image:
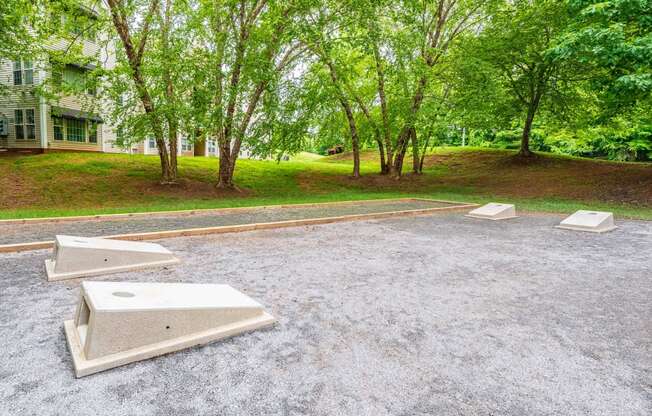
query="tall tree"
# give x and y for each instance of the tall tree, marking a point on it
(243, 48)
(514, 51)
(147, 63)
(325, 33)
(408, 42)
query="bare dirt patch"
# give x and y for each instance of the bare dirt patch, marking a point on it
(190, 189)
(545, 176)
(501, 173)
(17, 190)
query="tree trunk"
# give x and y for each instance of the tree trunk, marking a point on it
(355, 141)
(356, 158)
(415, 153)
(173, 138)
(408, 127)
(225, 174)
(170, 97)
(384, 168)
(165, 161)
(424, 150)
(348, 112)
(385, 162)
(525, 138)
(396, 168)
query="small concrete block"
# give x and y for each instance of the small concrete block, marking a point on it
(494, 211)
(81, 256)
(592, 221)
(119, 323)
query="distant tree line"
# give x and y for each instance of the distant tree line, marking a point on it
(397, 76)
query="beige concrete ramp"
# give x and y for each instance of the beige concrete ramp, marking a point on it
(119, 323)
(592, 221)
(494, 211)
(80, 256)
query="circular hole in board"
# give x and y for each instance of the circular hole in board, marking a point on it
(123, 294)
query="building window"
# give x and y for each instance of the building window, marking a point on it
(152, 143)
(23, 73)
(57, 122)
(75, 130)
(4, 126)
(25, 124)
(92, 132)
(186, 146)
(212, 148)
(19, 124)
(30, 127)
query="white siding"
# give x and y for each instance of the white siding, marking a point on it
(18, 97)
(22, 97)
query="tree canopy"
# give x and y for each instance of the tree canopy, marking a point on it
(278, 77)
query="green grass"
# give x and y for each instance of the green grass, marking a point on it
(64, 184)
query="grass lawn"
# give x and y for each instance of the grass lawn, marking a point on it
(58, 184)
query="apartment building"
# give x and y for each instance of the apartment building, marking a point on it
(30, 122)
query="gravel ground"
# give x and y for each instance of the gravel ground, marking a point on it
(26, 233)
(429, 315)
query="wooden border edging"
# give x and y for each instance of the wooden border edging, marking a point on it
(188, 212)
(223, 229)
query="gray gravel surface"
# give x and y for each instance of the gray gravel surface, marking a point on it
(26, 233)
(430, 315)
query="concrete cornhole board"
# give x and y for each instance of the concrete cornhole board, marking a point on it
(494, 211)
(81, 256)
(592, 221)
(119, 323)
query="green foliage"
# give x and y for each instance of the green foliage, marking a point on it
(616, 37)
(621, 144)
(257, 73)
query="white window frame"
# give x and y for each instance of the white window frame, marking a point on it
(186, 145)
(62, 126)
(24, 125)
(82, 130)
(87, 129)
(211, 145)
(21, 69)
(92, 131)
(4, 126)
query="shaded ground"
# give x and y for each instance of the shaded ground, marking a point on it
(438, 314)
(27, 233)
(502, 174)
(75, 183)
(546, 176)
